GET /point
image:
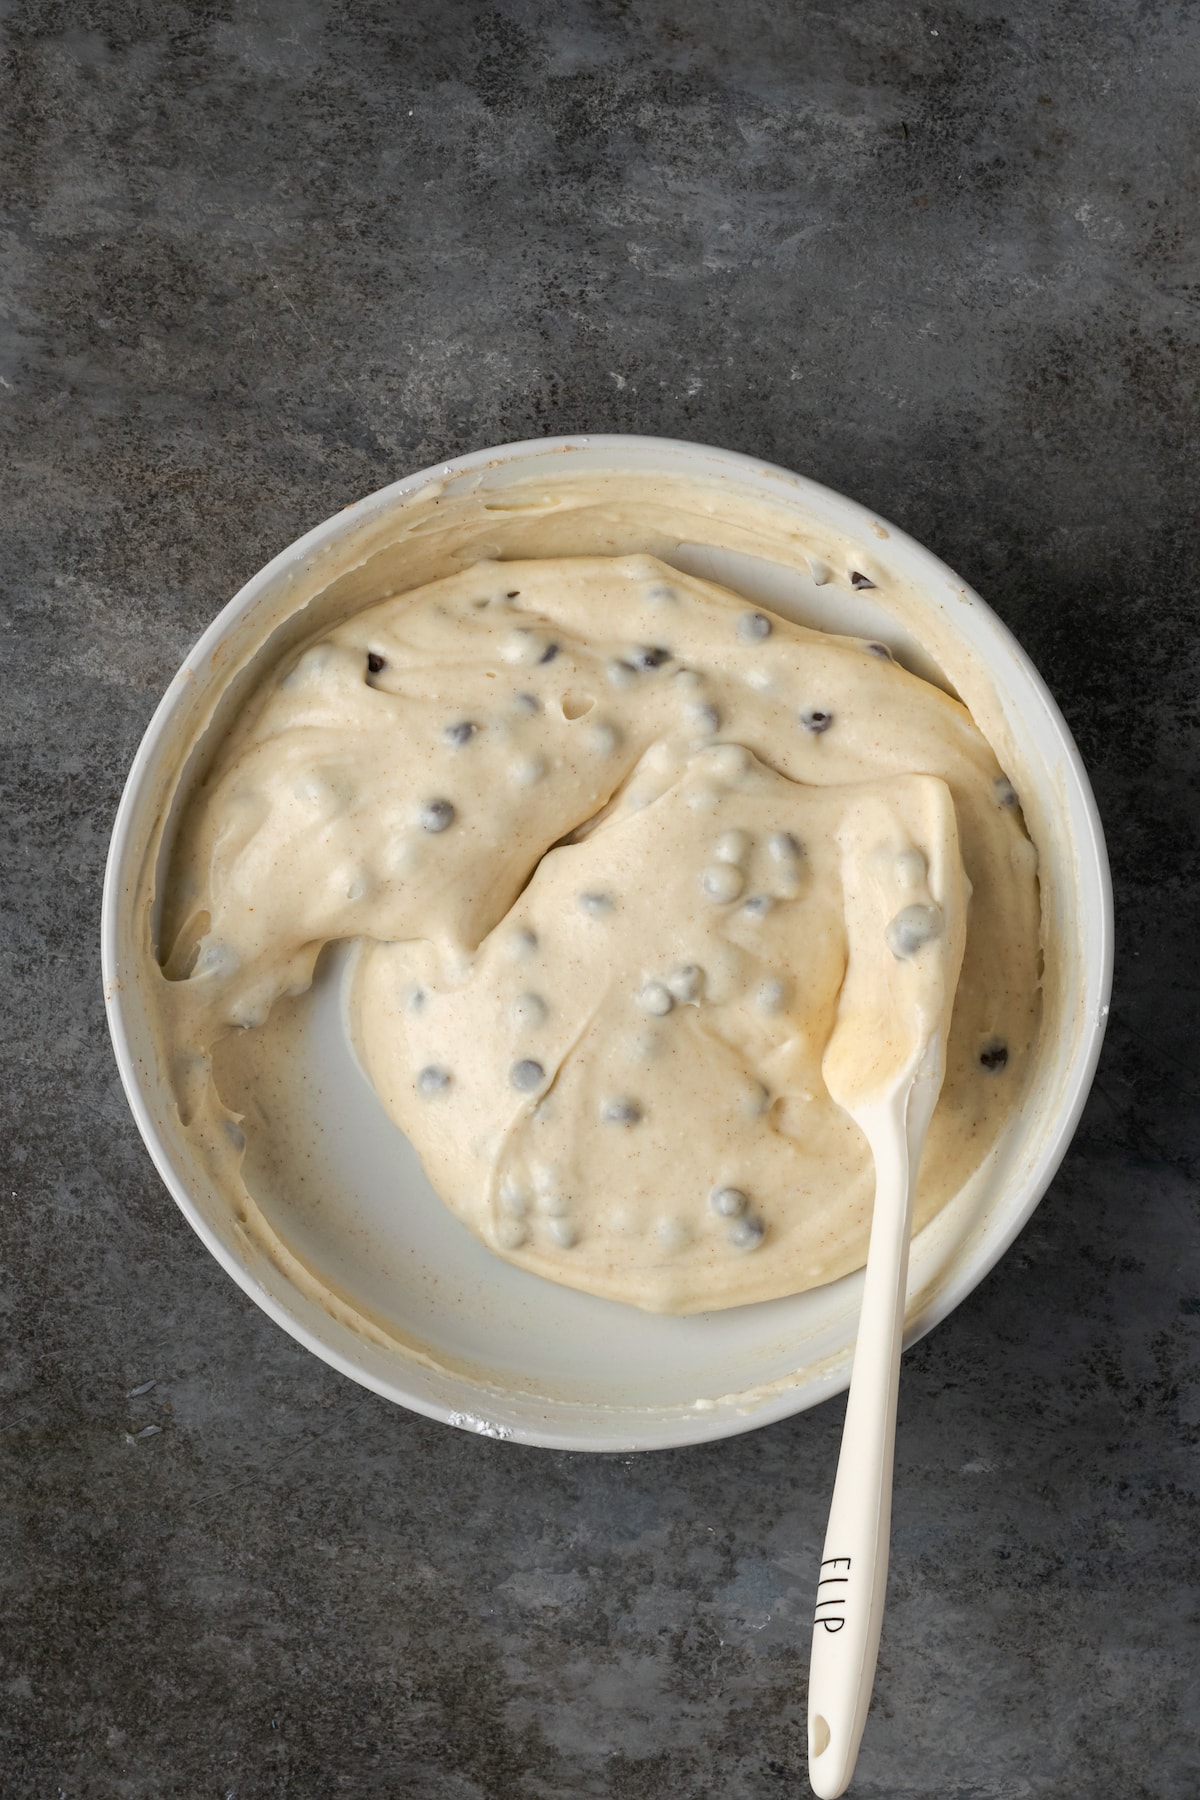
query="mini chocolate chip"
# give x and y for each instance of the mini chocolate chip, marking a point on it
(728, 1202)
(753, 627)
(994, 1056)
(880, 650)
(528, 1011)
(912, 928)
(461, 732)
(651, 657)
(527, 703)
(527, 1075)
(549, 653)
(722, 882)
(816, 721)
(771, 996)
(375, 662)
(514, 595)
(1006, 793)
(433, 1080)
(622, 1112)
(747, 1234)
(686, 982)
(859, 580)
(436, 815)
(656, 998)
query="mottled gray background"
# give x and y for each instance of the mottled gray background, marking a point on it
(257, 261)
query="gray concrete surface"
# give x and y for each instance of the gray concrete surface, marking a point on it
(259, 259)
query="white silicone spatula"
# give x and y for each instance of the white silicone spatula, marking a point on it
(905, 900)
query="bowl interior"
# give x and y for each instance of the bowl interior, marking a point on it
(449, 1329)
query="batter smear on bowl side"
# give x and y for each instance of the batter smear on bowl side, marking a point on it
(583, 815)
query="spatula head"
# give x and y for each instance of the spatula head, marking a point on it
(905, 895)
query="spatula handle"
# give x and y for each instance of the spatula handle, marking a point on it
(854, 1562)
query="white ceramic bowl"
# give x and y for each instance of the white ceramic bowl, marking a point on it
(475, 1342)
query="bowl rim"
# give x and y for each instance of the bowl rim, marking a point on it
(1094, 877)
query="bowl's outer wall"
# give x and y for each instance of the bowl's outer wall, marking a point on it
(813, 1338)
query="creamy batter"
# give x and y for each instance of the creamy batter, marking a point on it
(585, 817)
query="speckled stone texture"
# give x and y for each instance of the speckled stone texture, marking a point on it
(259, 260)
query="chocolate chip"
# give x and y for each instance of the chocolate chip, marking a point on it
(549, 653)
(747, 1234)
(912, 928)
(881, 650)
(771, 996)
(433, 1080)
(722, 882)
(650, 657)
(526, 1075)
(375, 662)
(656, 998)
(621, 1112)
(686, 982)
(753, 627)
(859, 580)
(816, 721)
(528, 1011)
(705, 718)
(994, 1056)
(514, 595)
(436, 815)
(461, 732)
